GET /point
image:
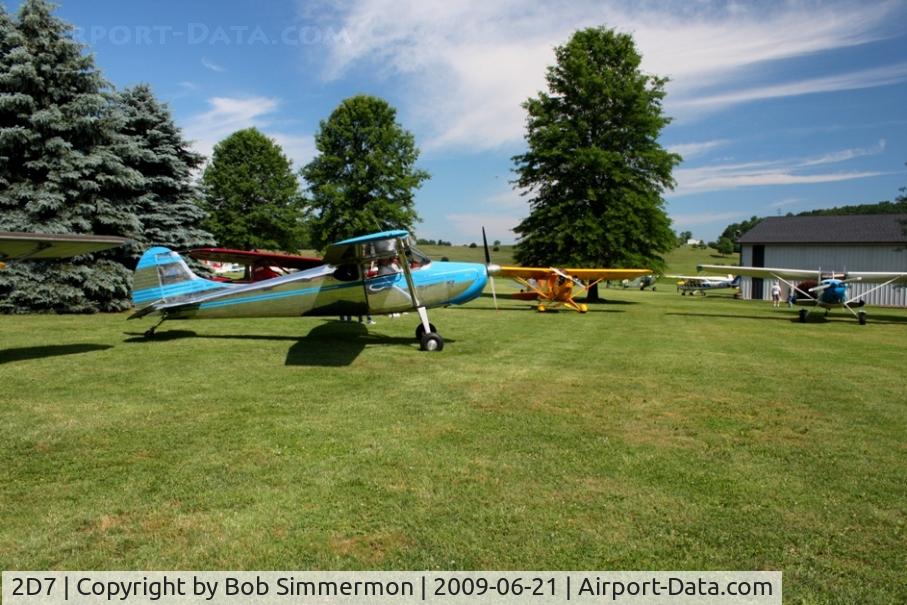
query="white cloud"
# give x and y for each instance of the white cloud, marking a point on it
(691, 150)
(846, 154)
(467, 66)
(866, 78)
(720, 177)
(226, 115)
(207, 63)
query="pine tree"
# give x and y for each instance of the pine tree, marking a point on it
(61, 172)
(594, 168)
(364, 176)
(252, 195)
(167, 203)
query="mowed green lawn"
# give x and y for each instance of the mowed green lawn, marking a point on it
(655, 432)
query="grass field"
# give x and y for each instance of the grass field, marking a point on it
(656, 432)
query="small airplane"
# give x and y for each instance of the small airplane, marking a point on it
(257, 266)
(826, 290)
(373, 274)
(19, 246)
(554, 287)
(701, 283)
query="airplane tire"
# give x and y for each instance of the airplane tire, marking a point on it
(431, 341)
(420, 330)
(541, 308)
(149, 333)
(861, 317)
(802, 316)
(583, 308)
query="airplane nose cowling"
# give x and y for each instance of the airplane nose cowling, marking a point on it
(473, 277)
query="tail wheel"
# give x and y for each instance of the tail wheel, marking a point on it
(861, 317)
(420, 330)
(802, 316)
(431, 341)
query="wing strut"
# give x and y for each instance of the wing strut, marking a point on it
(429, 340)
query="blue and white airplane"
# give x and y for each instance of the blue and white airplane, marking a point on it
(374, 274)
(825, 290)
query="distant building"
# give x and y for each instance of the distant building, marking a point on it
(866, 242)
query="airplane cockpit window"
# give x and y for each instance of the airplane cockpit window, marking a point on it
(347, 272)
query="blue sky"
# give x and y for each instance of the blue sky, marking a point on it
(778, 106)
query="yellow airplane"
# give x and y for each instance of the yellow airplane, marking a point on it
(554, 287)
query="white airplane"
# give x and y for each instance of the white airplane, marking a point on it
(826, 290)
(701, 283)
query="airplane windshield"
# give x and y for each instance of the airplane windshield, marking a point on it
(417, 258)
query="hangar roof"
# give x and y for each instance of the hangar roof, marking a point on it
(849, 229)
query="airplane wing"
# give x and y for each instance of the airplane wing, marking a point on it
(22, 246)
(584, 274)
(763, 272)
(246, 257)
(896, 277)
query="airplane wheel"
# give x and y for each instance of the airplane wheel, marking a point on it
(420, 330)
(149, 333)
(431, 341)
(861, 317)
(653, 288)
(583, 308)
(802, 316)
(541, 308)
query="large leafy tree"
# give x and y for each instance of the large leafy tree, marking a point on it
(364, 176)
(60, 170)
(252, 194)
(594, 169)
(167, 205)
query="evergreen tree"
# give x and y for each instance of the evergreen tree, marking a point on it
(167, 204)
(594, 168)
(364, 176)
(60, 171)
(252, 194)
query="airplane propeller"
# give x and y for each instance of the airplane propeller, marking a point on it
(490, 268)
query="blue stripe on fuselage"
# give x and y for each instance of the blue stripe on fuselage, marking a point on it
(436, 273)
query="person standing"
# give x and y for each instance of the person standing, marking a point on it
(776, 294)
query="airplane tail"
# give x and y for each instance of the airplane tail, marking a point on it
(162, 277)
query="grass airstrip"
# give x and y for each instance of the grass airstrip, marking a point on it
(656, 432)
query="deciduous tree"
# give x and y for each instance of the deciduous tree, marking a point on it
(364, 176)
(594, 169)
(252, 195)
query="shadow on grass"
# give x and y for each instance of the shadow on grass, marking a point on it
(812, 318)
(531, 307)
(331, 344)
(736, 316)
(26, 353)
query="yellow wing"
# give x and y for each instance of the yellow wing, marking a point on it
(584, 274)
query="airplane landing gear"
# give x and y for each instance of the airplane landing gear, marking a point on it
(803, 313)
(431, 341)
(861, 317)
(149, 333)
(420, 330)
